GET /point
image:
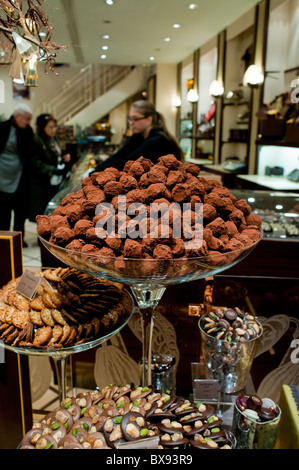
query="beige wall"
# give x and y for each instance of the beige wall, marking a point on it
(166, 91)
(47, 85)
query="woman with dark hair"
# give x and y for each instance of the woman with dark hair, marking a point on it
(150, 138)
(47, 165)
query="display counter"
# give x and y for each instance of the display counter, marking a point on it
(275, 183)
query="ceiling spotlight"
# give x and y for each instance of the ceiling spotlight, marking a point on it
(151, 57)
(176, 25)
(105, 48)
(105, 36)
(166, 39)
(109, 2)
(192, 6)
(103, 56)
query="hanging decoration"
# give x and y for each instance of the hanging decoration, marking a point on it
(25, 39)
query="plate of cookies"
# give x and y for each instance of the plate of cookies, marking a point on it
(70, 311)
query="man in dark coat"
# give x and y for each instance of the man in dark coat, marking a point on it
(16, 137)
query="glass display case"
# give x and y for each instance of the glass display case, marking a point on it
(279, 212)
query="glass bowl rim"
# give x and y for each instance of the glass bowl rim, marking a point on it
(170, 260)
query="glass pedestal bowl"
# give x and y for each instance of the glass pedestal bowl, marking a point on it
(148, 279)
(61, 355)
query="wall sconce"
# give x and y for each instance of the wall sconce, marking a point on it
(216, 89)
(253, 76)
(176, 102)
(192, 96)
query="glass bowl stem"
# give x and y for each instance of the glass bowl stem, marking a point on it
(147, 297)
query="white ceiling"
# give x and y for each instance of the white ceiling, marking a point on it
(137, 28)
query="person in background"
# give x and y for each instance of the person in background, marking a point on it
(48, 166)
(16, 138)
(150, 138)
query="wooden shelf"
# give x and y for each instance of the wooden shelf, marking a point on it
(277, 143)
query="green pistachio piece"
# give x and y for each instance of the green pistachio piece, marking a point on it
(85, 426)
(68, 404)
(143, 432)
(215, 430)
(211, 419)
(83, 411)
(145, 389)
(74, 431)
(49, 445)
(120, 404)
(117, 419)
(55, 426)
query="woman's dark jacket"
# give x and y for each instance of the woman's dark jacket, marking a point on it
(154, 146)
(43, 163)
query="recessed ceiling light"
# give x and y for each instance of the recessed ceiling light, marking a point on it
(166, 39)
(103, 56)
(109, 2)
(151, 57)
(105, 36)
(105, 48)
(176, 25)
(192, 6)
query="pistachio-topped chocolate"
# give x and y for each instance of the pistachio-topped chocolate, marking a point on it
(115, 415)
(134, 426)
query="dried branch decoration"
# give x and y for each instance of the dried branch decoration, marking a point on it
(27, 19)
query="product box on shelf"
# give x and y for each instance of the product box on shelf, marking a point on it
(11, 256)
(15, 393)
(288, 434)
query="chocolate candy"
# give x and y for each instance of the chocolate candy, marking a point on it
(173, 440)
(134, 426)
(254, 402)
(112, 431)
(267, 414)
(106, 422)
(224, 221)
(242, 402)
(230, 324)
(258, 409)
(230, 314)
(170, 427)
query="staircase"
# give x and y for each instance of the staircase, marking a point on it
(92, 93)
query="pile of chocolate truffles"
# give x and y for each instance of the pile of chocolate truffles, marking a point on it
(256, 408)
(228, 223)
(104, 419)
